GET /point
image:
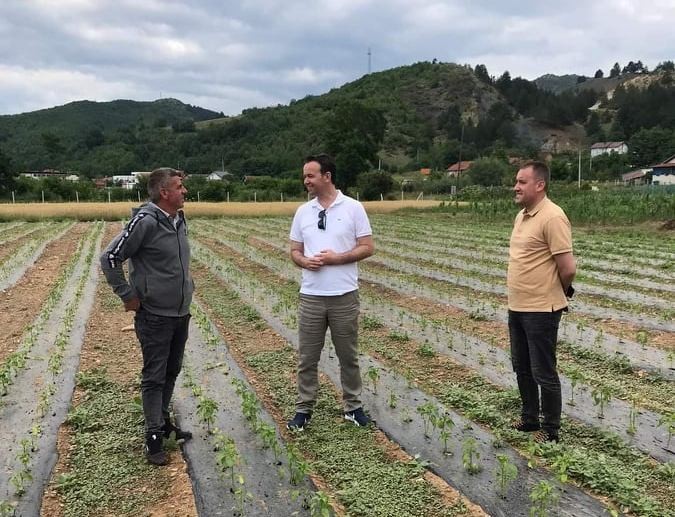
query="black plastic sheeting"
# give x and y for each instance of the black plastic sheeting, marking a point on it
(270, 492)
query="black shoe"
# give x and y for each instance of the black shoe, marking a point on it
(169, 428)
(153, 449)
(523, 427)
(543, 436)
(299, 422)
(357, 417)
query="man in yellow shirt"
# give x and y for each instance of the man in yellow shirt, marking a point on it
(539, 279)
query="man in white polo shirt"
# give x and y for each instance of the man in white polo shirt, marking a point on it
(329, 235)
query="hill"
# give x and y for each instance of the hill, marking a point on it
(33, 139)
(423, 114)
(418, 103)
(557, 83)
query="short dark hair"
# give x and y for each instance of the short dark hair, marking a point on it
(159, 179)
(540, 170)
(326, 164)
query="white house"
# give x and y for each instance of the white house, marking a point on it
(45, 173)
(664, 173)
(219, 176)
(599, 148)
(126, 181)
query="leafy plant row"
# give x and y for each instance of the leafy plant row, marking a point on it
(268, 297)
(22, 477)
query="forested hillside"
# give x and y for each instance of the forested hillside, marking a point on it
(414, 116)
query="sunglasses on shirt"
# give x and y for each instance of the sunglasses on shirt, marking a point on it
(322, 220)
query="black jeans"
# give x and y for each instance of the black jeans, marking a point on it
(162, 341)
(534, 336)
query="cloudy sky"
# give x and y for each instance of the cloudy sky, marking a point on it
(231, 55)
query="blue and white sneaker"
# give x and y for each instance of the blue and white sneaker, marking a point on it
(357, 417)
(299, 422)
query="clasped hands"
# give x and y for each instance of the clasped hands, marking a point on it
(323, 258)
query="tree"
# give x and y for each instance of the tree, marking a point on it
(497, 124)
(7, 177)
(650, 146)
(488, 171)
(504, 82)
(354, 135)
(93, 138)
(481, 73)
(593, 128)
(665, 66)
(599, 73)
(450, 121)
(371, 184)
(52, 144)
(616, 71)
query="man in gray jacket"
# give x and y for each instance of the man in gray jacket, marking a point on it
(159, 290)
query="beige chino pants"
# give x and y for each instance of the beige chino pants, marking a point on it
(315, 315)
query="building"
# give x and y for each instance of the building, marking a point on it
(102, 182)
(664, 173)
(459, 168)
(45, 173)
(126, 181)
(599, 148)
(637, 177)
(220, 176)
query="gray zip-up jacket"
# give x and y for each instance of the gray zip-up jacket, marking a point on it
(159, 263)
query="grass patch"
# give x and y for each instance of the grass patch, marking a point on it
(106, 461)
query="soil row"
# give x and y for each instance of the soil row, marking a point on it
(20, 303)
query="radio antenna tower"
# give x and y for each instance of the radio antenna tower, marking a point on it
(369, 53)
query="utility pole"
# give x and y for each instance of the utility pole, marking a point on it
(579, 166)
(459, 162)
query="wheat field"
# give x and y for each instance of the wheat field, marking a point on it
(122, 210)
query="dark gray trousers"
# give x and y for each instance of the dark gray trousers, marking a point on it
(162, 341)
(534, 337)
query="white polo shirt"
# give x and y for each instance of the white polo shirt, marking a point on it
(346, 221)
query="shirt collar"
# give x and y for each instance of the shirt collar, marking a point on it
(173, 219)
(338, 199)
(536, 208)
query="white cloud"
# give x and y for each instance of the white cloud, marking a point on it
(232, 55)
(32, 89)
(307, 75)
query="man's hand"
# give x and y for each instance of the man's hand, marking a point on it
(329, 257)
(313, 263)
(132, 305)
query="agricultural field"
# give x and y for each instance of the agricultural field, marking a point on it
(435, 362)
